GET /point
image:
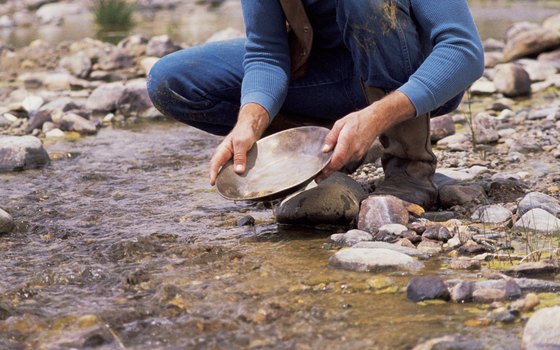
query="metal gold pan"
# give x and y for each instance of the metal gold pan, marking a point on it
(277, 165)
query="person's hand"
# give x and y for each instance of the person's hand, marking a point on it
(251, 123)
(352, 136)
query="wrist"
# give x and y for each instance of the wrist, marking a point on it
(253, 116)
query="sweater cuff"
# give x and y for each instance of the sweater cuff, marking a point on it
(420, 96)
(267, 102)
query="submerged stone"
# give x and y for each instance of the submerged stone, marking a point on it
(426, 287)
(6, 222)
(373, 260)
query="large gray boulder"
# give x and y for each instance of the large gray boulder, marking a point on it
(335, 201)
(542, 331)
(21, 152)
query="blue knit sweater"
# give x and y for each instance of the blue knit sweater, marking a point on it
(453, 51)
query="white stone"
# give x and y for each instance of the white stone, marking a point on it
(373, 260)
(538, 220)
(54, 133)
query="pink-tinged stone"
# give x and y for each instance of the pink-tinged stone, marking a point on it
(377, 211)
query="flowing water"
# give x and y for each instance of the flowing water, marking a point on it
(121, 243)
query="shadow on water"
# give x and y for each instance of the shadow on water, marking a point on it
(121, 241)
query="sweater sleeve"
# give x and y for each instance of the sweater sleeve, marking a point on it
(267, 59)
(457, 57)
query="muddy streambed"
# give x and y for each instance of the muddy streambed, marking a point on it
(121, 243)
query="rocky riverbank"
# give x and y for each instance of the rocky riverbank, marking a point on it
(496, 233)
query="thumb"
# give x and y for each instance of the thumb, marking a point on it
(239, 157)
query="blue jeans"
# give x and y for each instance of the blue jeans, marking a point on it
(201, 86)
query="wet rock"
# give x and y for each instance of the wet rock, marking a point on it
(539, 200)
(504, 315)
(78, 64)
(6, 222)
(94, 341)
(116, 59)
(508, 285)
(538, 286)
(247, 220)
(373, 260)
(377, 211)
(426, 287)
(492, 214)
(398, 248)
(21, 152)
(226, 34)
(159, 46)
(543, 267)
(512, 80)
(135, 99)
(465, 195)
(462, 292)
(526, 304)
(350, 238)
(542, 331)
(530, 41)
(485, 130)
(470, 247)
(488, 295)
(538, 220)
(483, 86)
(324, 204)
(465, 264)
(104, 98)
(441, 127)
(451, 342)
(74, 122)
(437, 233)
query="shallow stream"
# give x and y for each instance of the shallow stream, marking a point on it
(122, 243)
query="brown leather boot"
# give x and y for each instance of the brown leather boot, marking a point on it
(408, 161)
